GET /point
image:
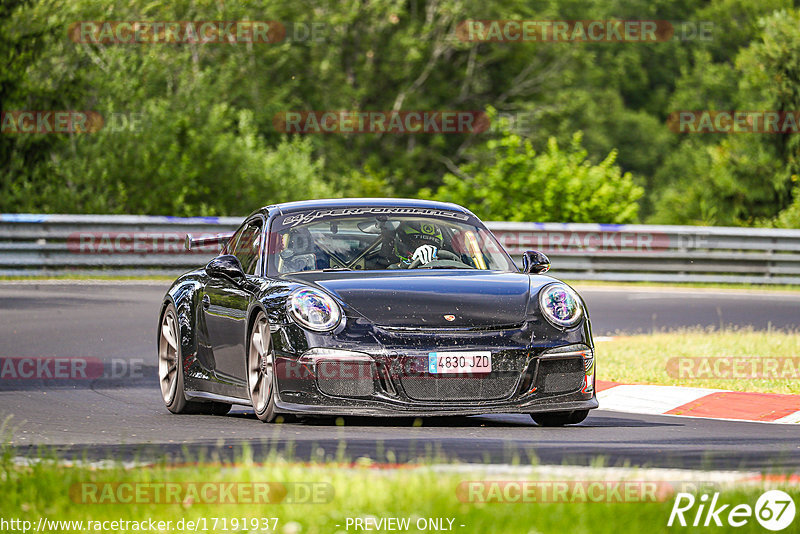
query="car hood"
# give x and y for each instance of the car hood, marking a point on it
(424, 298)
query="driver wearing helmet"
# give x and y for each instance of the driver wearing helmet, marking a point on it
(417, 241)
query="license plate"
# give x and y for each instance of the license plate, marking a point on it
(459, 362)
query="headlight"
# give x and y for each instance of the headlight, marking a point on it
(560, 305)
(314, 310)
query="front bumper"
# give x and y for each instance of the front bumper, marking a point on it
(396, 383)
(379, 410)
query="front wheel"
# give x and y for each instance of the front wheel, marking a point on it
(170, 370)
(559, 418)
(260, 370)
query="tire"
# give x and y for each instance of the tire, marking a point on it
(170, 368)
(559, 418)
(260, 370)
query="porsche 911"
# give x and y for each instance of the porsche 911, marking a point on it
(373, 307)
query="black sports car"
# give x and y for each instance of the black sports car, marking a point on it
(373, 307)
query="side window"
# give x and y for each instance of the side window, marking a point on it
(232, 241)
(247, 246)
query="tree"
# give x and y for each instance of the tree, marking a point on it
(745, 178)
(517, 184)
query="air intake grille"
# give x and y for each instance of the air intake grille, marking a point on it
(448, 388)
(560, 376)
(346, 379)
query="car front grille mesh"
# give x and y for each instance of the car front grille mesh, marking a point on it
(460, 388)
(561, 376)
(346, 379)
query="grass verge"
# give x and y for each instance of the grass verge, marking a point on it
(579, 284)
(739, 360)
(321, 498)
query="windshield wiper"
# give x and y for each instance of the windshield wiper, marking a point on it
(334, 269)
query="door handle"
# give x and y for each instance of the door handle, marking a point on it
(206, 302)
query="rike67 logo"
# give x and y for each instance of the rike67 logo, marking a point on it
(774, 510)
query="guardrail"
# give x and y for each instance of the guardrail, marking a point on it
(35, 245)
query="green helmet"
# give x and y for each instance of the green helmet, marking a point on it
(411, 235)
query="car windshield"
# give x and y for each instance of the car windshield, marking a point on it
(383, 238)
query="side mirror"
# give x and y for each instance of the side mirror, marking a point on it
(226, 266)
(535, 262)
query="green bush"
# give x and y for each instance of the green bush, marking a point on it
(517, 184)
(198, 160)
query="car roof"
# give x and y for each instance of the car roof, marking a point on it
(333, 203)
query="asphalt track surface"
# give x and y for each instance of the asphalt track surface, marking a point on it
(124, 418)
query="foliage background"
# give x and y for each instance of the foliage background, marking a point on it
(579, 130)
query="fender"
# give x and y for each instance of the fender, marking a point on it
(185, 295)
